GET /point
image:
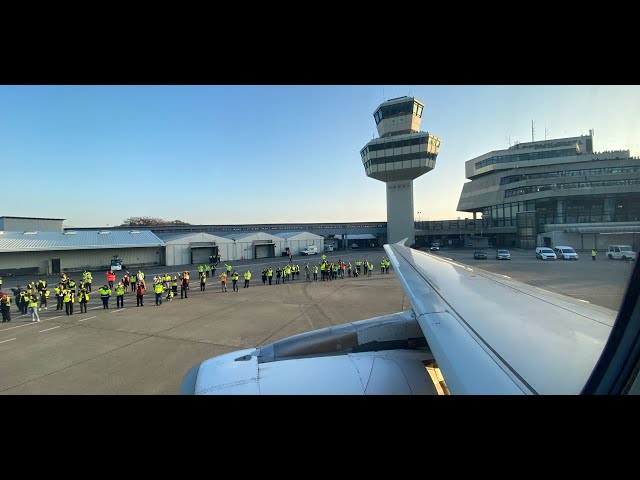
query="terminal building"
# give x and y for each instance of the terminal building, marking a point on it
(553, 192)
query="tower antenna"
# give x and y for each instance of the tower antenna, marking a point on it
(509, 139)
(533, 131)
(546, 132)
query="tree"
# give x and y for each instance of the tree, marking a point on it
(149, 222)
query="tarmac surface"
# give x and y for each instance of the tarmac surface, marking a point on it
(147, 350)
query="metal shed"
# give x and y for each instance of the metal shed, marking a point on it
(194, 248)
(296, 241)
(34, 252)
(256, 245)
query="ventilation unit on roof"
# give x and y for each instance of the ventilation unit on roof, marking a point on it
(104, 232)
(70, 233)
(29, 233)
(134, 231)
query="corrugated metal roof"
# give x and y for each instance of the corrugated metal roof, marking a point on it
(80, 240)
(288, 235)
(259, 235)
(208, 237)
(168, 237)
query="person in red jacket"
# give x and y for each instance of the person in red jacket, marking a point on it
(111, 277)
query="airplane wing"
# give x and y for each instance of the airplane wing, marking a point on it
(487, 333)
(493, 335)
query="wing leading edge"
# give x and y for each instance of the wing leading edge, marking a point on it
(493, 335)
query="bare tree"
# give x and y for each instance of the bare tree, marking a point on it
(149, 222)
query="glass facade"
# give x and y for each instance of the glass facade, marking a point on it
(581, 209)
(527, 157)
(514, 192)
(401, 158)
(405, 108)
(406, 142)
(568, 173)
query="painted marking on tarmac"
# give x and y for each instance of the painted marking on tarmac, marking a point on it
(118, 310)
(93, 308)
(17, 326)
(47, 329)
(88, 318)
(3, 341)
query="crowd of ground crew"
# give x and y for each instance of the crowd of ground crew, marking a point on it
(35, 295)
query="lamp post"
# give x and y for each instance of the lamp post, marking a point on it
(419, 215)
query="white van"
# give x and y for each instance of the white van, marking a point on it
(621, 252)
(545, 253)
(310, 250)
(566, 253)
(328, 248)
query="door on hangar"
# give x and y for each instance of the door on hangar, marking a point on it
(265, 251)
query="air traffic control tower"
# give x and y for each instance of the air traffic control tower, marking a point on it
(400, 155)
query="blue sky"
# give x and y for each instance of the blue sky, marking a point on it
(253, 154)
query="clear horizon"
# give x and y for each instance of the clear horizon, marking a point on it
(96, 155)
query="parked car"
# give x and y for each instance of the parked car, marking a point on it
(354, 245)
(479, 254)
(566, 253)
(328, 248)
(433, 248)
(545, 253)
(503, 255)
(622, 252)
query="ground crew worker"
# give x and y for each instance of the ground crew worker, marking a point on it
(593, 254)
(223, 281)
(42, 285)
(120, 295)
(174, 284)
(23, 302)
(5, 307)
(157, 288)
(382, 264)
(111, 277)
(88, 281)
(270, 274)
(387, 263)
(105, 294)
(84, 299)
(44, 296)
(1, 284)
(184, 285)
(207, 270)
(33, 308)
(140, 294)
(278, 273)
(71, 285)
(247, 277)
(228, 270)
(201, 269)
(203, 281)
(169, 296)
(234, 279)
(58, 291)
(68, 301)
(264, 276)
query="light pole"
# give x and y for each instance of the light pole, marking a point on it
(419, 215)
